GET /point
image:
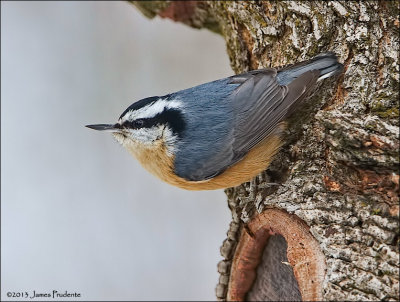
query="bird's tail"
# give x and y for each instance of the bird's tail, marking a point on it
(326, 63)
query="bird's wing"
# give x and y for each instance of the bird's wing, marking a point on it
(259, 104)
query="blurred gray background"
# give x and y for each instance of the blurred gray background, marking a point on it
(78, 213)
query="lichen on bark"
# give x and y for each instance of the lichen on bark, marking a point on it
(339, 170)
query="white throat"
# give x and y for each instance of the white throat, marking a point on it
(148, 138)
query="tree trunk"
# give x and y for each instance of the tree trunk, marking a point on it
(330, 229)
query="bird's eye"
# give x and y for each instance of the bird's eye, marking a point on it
(138, 123)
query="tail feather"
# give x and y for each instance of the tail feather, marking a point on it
(325, 63)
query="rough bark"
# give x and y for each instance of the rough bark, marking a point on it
(338, 173)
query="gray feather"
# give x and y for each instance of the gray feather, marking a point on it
(229, 117)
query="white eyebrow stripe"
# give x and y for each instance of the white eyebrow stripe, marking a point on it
(152, 110)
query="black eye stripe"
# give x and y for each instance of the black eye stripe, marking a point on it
(136, 124)
(171, 117)
(175, 120)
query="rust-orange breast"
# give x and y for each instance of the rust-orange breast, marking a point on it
(157, 161)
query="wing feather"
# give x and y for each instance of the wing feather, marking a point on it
(259, 105)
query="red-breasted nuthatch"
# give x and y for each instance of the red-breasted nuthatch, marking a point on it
(219, 134)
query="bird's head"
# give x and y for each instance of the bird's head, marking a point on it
(147, 123)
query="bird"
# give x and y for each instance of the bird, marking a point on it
(222, 133)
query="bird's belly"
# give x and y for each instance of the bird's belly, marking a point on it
(156, 160)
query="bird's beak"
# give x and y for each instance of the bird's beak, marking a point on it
(105, 127)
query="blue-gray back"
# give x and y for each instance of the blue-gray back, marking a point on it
(226, 118)
(207, 131)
